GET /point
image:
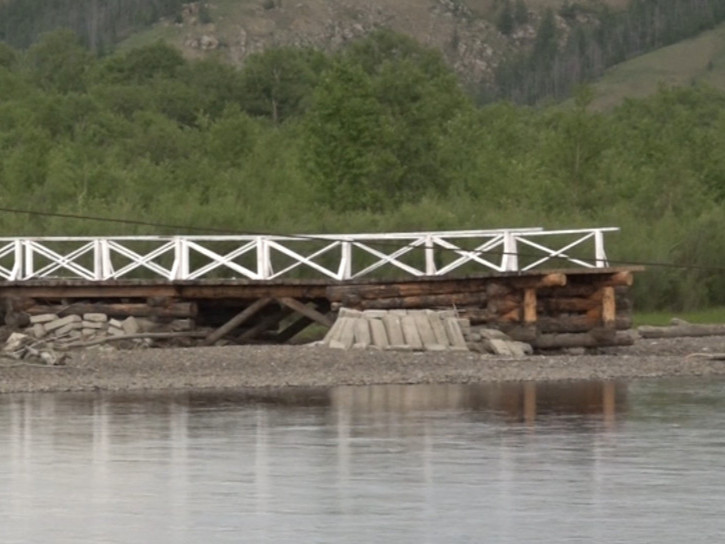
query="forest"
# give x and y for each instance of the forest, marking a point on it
(377, 137)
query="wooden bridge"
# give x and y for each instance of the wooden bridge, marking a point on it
(549, 288)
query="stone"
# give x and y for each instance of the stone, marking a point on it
(130, 325)
(115, 323)
(95, 318)
(116, 331)
(16, 341)
(177, 325)
(42, 318)
(62, 322)
(38, 330)
(65, 329)
(87, 332)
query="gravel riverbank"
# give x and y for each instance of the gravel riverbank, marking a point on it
(310, 366)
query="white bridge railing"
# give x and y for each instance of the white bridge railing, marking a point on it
(337, 257)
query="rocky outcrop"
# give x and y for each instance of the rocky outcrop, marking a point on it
(462, 31)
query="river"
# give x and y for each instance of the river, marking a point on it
(637, 462)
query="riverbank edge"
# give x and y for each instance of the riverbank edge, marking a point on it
(252, 367)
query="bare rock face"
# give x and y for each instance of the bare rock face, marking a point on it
(460, 29)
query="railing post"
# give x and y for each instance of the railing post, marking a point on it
(263, 264)
(430, 264)
(17, 272)
(510, 259)
(28, 260)
(98, 264)
(599, 254)
(345, 270)
(180, 270)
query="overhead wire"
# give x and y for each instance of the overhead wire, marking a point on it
(312, 237)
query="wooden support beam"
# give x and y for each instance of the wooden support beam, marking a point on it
(422, 302)
(305, 310)
(609, 307)
(529, 316)
(293, 329)
(264, 324)
(236, 321)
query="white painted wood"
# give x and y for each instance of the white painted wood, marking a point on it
(103, 258)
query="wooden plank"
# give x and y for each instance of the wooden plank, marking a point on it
(305, 310)
(239, 319)
(176, 309)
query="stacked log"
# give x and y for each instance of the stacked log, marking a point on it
(556, 310)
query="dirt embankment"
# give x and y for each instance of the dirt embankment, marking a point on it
(280, 366)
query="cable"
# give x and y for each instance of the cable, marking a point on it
(650, 264)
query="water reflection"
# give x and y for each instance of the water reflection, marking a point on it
(359, 464)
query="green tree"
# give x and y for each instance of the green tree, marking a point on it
(278, 82)
(59, 62)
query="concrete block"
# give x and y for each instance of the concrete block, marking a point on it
(116, 331)
(93, 324)
(374, 314)
(455, 336)
(333, 332)
(65, 329)
(16, 341)
(378, 333)
(347, 312)
(345, 336)
(493, 334)
(42, 318)
(39, 330)
(363, 338)
(75, 334)
(62, 322)
(86, 332)
(115, 323)
(130, 325)
(95, 318)
(425, 330)
(439, 329)
(410, 332)
(394, 330)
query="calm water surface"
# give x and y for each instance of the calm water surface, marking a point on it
(597, 462)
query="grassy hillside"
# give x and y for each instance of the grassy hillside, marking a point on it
(698, 60)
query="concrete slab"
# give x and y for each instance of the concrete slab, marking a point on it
(410, 332)
(43, 318)
(394, 330)
(425, 330)
(62, 322)
(363, 338)
(455, 336)
(95, 318)
(378, 333)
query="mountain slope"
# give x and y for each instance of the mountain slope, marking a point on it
(698, 60)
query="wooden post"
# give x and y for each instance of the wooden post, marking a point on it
(235, 321)
(529, 306)
(609, 307)
(305, 310)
